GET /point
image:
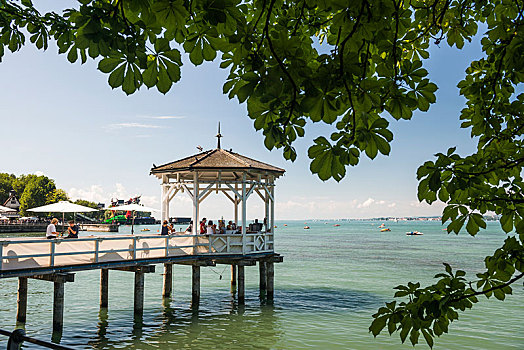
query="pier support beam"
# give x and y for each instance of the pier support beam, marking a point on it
(58, 307)
(104, 288)
(233, 276)
(139, 293)
(59, 279)
(168, 281)
(270, 267)
(195, 300)
(21, 310)
(263, 278)
(139, 271)
(241, 286)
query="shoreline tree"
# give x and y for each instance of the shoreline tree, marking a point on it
(368, 73)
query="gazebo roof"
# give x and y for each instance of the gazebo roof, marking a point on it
(214, 160)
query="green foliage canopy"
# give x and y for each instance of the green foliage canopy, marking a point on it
(32, 190)
(368, 72)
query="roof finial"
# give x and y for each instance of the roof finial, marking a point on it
(219, 135)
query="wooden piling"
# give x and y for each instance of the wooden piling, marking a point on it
(58, 307)
(241, 285)
(21, 311)
(263, 277)
(195, 300)
(270, 270)
(104, 288)
(139, 293)
(168, 281)
(233, 275)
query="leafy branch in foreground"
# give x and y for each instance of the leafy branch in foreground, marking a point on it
(356, 66)
(428, 311)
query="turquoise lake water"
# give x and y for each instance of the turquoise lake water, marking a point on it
(331, 282)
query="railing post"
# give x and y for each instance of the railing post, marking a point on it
(134, 247)
(97, 248)
(209, 244)
(1, 254)
(52, 253)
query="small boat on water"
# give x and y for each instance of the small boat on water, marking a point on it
(382, 226)
(285, 224)
(336, 225)
(306, 227)
(385, 230)
(414, 233)
(145, 230)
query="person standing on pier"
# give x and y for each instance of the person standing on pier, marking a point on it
(165, 229)
(51, 229)
(203, 227)
(72, 230)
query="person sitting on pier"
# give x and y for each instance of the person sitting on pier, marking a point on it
(231, 226)
(210, 228)
(51, 229)
(190, 227)
(203, 226)
(171, 229)
(72, 230)
(221, 226)
(165, 229)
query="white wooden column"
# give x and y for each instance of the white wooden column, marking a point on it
(196, 223)
(244, 218)
(236, 206)
(165, 198)
(272, 203)
(266, 207)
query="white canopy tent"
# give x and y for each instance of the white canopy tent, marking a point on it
(62, 207)
(2, 208)
(133, 208)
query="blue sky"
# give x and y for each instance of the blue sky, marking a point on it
(64, 121)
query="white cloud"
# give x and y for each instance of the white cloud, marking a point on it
(392, 205)
(366, 203)
(39, 173)
(94, 193)
(132, 125)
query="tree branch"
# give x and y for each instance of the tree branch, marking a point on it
(280, 64)
(500, 286)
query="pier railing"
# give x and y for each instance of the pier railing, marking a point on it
(30, 253)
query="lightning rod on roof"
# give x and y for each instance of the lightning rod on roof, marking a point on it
(219, 135)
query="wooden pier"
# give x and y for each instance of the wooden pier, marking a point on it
(57, 261)
(216, 171)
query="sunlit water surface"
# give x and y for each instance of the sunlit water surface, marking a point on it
(331, 282)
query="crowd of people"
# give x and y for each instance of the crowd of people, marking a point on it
(210, 228)
(205, 227)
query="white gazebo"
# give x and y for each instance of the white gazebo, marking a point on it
(236, 176)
